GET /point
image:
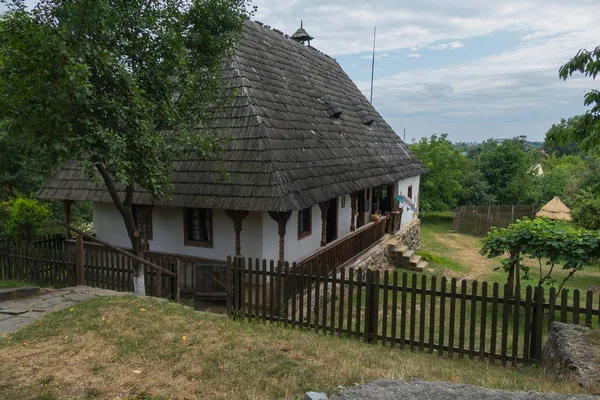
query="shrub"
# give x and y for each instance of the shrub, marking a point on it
(24, 218)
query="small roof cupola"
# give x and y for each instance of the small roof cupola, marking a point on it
(301, 35)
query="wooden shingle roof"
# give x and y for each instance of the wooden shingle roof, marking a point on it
(300, 133)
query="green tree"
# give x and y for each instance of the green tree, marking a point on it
(508, 169)
(123, 86)
(586, 210)
(24, 218)
(550, 243)
(554, 143)
(586, 131)
(441, 187)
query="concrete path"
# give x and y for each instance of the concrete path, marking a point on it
(16, 313)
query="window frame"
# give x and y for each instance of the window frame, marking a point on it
(145, 213)
(409, 192)
(305, 234)
(198, 243)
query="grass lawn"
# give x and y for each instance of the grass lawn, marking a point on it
(141, 349)
(4, 284)
(456, 255)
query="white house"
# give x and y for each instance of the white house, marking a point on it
(309, 161)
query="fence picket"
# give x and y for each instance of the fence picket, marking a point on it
(350, 298)
(505, 311)
(265, 282)
(317, 296)
(588, 308)
(563, 304)
(576, 310)
(272, 291)
(257, 289)
(413, 310)
(249, 278)
(527, 327)
(341, 310)
(359, 286)
(422, 312)
(483, 322)
(442, 324)
(404, 308)
(384, 322)
(516, 325)
(462, 318)
(432, 314)
(333, 300)
(473, 320)
(494, 321)
(394, 307)
(325, 298)
(452, 316)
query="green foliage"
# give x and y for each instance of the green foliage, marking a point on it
(586, 210)
(586, 131)
(25, 218)
(441, 187)
(555, 141)
(551, 243)
(126, 87)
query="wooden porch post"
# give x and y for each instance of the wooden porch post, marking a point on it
(353, 199)
(324, 206)
(377, 194)
(281, 218)
(67, 207)
(237, 217)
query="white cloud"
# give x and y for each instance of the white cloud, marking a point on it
(446, 46)
(414, 55)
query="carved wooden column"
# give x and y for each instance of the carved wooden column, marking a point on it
(237, 217)
(377, 194)
(67, 206)
(353, 205)
(324, 206)
(281, 218)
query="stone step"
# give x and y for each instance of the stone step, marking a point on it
(414, 259)
(421, 265)
(401, 248)
(408, 253)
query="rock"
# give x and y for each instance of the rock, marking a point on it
(18, 293)
(569, 351)
(315, 396)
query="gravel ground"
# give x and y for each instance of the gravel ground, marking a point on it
(420, 390)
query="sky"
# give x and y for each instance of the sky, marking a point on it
(474, 69)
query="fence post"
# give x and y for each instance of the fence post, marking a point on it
(79, 256)
(175, 293)
(536, 324)
(372, 306)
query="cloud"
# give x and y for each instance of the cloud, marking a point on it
(414, 55)
(446, 46)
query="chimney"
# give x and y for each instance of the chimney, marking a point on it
(301, 35)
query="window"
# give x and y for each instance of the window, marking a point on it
(142, 215)
(198, 227)
(304, 223)
(409, 194)
(343, 201)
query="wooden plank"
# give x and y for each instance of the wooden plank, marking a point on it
(516, 325)
(286, 287)
(374, 305)
(257, 288)
(422, 312)
(279, 291)
(483, 320)
(505, 312)
(384, 322)
(588, 308)
(494, 322)
(309, 286)
(413, 311)
(527, 327)
(229, 285)
(432, 314)
(341, 305)
(404, 308)
(293, 284)
(350, 301)
(265, 282)
(359, 287)
(368, 310)
(325, 298)
(272, 290)
(452, 316)
(576, 309)
(462, 319)
(564, 293)
(539, 320)
(443, 284)
(473, 320)
(249, 279)
(394, 307)
(332, 302)
(317, 295)
(301, 281)
(243, 291)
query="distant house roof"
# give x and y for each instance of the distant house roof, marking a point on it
(555, 209)
(300, 133)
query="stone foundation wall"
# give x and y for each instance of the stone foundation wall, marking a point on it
(410, 235)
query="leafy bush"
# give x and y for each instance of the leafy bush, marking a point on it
(586, 210)
(25, 218)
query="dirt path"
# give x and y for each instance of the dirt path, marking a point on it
(467, 254)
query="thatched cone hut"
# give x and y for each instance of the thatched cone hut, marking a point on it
(555, 209)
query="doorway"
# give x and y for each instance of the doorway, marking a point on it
(332, 217)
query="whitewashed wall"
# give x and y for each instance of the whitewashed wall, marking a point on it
(259, 237)
(402, 188)
(168, 232)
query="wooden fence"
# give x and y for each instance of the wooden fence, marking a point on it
(419, 312)
(479, 220)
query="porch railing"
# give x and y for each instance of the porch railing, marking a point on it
(346, 248)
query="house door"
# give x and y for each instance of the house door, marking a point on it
(386, 201)
(360, 218)
(332, 216)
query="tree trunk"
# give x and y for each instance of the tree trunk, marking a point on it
(125, 209)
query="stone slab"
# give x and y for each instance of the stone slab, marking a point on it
(18, 293)
(14, 311)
